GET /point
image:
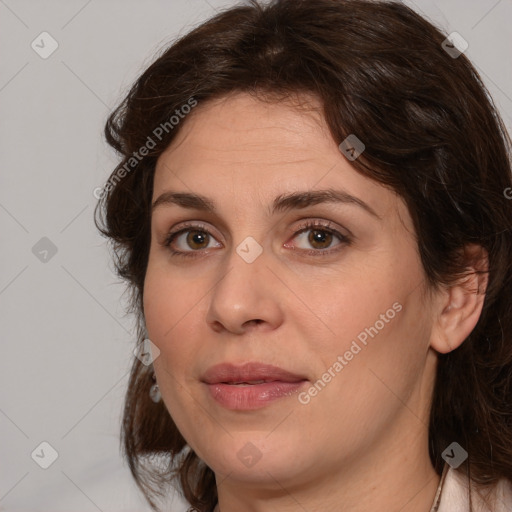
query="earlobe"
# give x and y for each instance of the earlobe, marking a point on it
(459, 306)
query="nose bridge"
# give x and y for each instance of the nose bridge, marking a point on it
(244, 293)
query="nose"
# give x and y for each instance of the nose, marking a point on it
(247, 297)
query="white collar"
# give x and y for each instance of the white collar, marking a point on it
(453, 494)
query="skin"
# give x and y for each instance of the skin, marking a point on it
(362, 442)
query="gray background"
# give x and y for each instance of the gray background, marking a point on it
(66, 341)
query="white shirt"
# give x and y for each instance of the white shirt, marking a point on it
(453, 494)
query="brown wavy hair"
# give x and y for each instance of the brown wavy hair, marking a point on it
(432, 134)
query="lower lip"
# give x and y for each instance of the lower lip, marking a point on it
(255, 396)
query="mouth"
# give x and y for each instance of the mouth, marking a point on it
(250, 386)
(247, 383)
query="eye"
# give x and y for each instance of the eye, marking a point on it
(314, 238)
(317, 239)
(189, 240)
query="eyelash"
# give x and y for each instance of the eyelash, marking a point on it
(307, 226)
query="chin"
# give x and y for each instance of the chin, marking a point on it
(253, 461)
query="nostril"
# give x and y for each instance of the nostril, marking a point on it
(217, 326)
(253, 322)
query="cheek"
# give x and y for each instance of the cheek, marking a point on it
(374, 378)
(171, 309)
(375, 319)
(348, 305)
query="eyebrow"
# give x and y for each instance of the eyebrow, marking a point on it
(282, 203)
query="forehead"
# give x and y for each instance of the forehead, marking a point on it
(241, 147)
(239, 124)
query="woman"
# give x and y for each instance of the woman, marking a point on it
(311, 211)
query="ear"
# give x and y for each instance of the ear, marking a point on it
(457, 307)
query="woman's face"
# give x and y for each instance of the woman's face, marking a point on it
(284, 257)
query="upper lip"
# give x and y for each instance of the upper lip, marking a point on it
(253, 371)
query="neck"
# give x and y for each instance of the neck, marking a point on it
(398, 476)
(416, 493)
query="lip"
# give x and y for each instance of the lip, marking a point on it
(230, 373)
(222, 380)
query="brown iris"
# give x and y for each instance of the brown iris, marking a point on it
(197, 239)
(321, 237)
